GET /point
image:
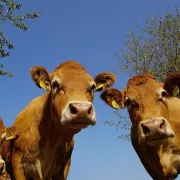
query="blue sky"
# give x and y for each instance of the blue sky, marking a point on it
(90, 32)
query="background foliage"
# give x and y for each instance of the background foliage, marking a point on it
(9, 13)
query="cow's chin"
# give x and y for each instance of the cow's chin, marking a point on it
(158, 141)
(76, 125)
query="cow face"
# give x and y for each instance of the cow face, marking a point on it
(71, 90)
(147, 101)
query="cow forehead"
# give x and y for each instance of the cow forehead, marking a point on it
(72, 72)
(140, 79)
(143, 86)
(70, 65)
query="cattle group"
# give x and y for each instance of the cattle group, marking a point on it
(39, 144)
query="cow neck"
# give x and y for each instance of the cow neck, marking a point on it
(169, 154)
(51, 125)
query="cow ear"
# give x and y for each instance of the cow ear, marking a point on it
(113, 97)
(172, 84)
(11, 133)
(104, 80)
(41, 77)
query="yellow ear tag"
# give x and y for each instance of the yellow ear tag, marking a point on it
(42, 85)
(115, 104)
(10, 137)
(10, 134)
(99, 86)
(176, 91)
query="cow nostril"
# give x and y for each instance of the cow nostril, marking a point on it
(145, 129)
(73, 110)
(90, 110)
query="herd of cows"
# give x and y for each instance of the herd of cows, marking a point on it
(39, 145)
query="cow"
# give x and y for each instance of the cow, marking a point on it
(43, 132)
(154, 111)
(3, 173)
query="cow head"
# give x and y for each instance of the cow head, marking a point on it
(71, 90)
(148, 107)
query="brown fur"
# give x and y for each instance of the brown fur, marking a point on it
(4, 176)
(2, 129)
(71, 65)
(44, 145)
(140, 79)
(146, 101)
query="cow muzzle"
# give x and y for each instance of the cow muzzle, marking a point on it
(154, 131)
(78, 114)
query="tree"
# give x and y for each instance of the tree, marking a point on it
(8, 13)
(155, 50)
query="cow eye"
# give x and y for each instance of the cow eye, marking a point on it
(127, 102)
(164, 94)
(55, 85)
(131, 102)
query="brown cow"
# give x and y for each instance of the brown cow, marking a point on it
(3, 174)
(46, 126)
(155, 117)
